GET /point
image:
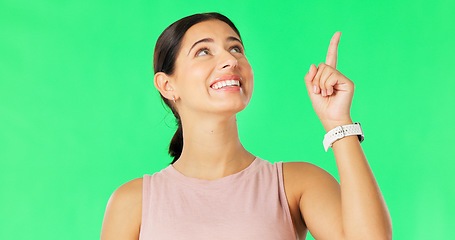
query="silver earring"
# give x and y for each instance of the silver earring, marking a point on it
(173, 99)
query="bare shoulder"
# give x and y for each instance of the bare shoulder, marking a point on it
(131, 189)
(303, 170)
(297, 167)
(304, 176)
(122, 219)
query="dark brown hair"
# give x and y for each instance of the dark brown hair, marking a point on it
(166, 51)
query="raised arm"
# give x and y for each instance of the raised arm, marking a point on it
(355, 208)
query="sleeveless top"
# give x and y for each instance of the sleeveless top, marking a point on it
(250, 204)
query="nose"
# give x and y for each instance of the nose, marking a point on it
(228, 61)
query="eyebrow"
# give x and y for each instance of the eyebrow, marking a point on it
(229, 39)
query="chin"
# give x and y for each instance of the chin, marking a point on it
(231, 108)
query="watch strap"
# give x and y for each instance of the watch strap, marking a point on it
(341, 132)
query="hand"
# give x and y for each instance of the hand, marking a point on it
(330, 91)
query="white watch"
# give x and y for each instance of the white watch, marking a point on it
(341, 132)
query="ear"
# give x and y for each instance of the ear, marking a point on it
(164, 84)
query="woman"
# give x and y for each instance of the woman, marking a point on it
(214, 188)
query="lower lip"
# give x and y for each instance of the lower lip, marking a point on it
(228, 89)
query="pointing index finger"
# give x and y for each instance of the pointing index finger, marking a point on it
(331, 59)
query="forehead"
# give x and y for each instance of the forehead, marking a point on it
(215, 29)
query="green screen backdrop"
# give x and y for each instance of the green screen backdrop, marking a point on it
(79, 114)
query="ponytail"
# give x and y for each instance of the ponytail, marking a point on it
(176, 145)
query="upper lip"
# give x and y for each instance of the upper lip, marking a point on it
(227, 77)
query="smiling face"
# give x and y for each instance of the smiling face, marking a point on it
(212, 52)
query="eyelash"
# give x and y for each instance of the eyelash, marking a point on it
(204, 48)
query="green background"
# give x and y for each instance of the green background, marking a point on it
(79, 114)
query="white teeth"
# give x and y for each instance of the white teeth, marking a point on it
(221, 84)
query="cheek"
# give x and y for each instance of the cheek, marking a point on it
(245, 64)
(194, 77)
(247, 71)
(200, 69)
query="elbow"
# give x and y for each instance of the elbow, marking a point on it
(379, 232)
(384, 233)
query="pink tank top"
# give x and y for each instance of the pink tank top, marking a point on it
(247, 205)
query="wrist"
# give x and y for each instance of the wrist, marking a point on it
(333, 124)
(341, 131)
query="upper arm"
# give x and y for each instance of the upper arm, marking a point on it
(122, 219)
(320, 200)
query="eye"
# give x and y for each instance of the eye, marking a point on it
(202, 52)
(237, 49)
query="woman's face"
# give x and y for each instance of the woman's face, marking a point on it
(211, 51)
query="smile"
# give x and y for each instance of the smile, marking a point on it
(226, 84)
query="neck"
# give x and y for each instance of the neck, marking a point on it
(211, 148)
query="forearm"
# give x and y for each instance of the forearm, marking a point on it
(364, 212)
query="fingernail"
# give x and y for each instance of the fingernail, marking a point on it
(315, 89)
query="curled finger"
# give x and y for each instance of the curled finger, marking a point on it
(331, 80)
(317, 78)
